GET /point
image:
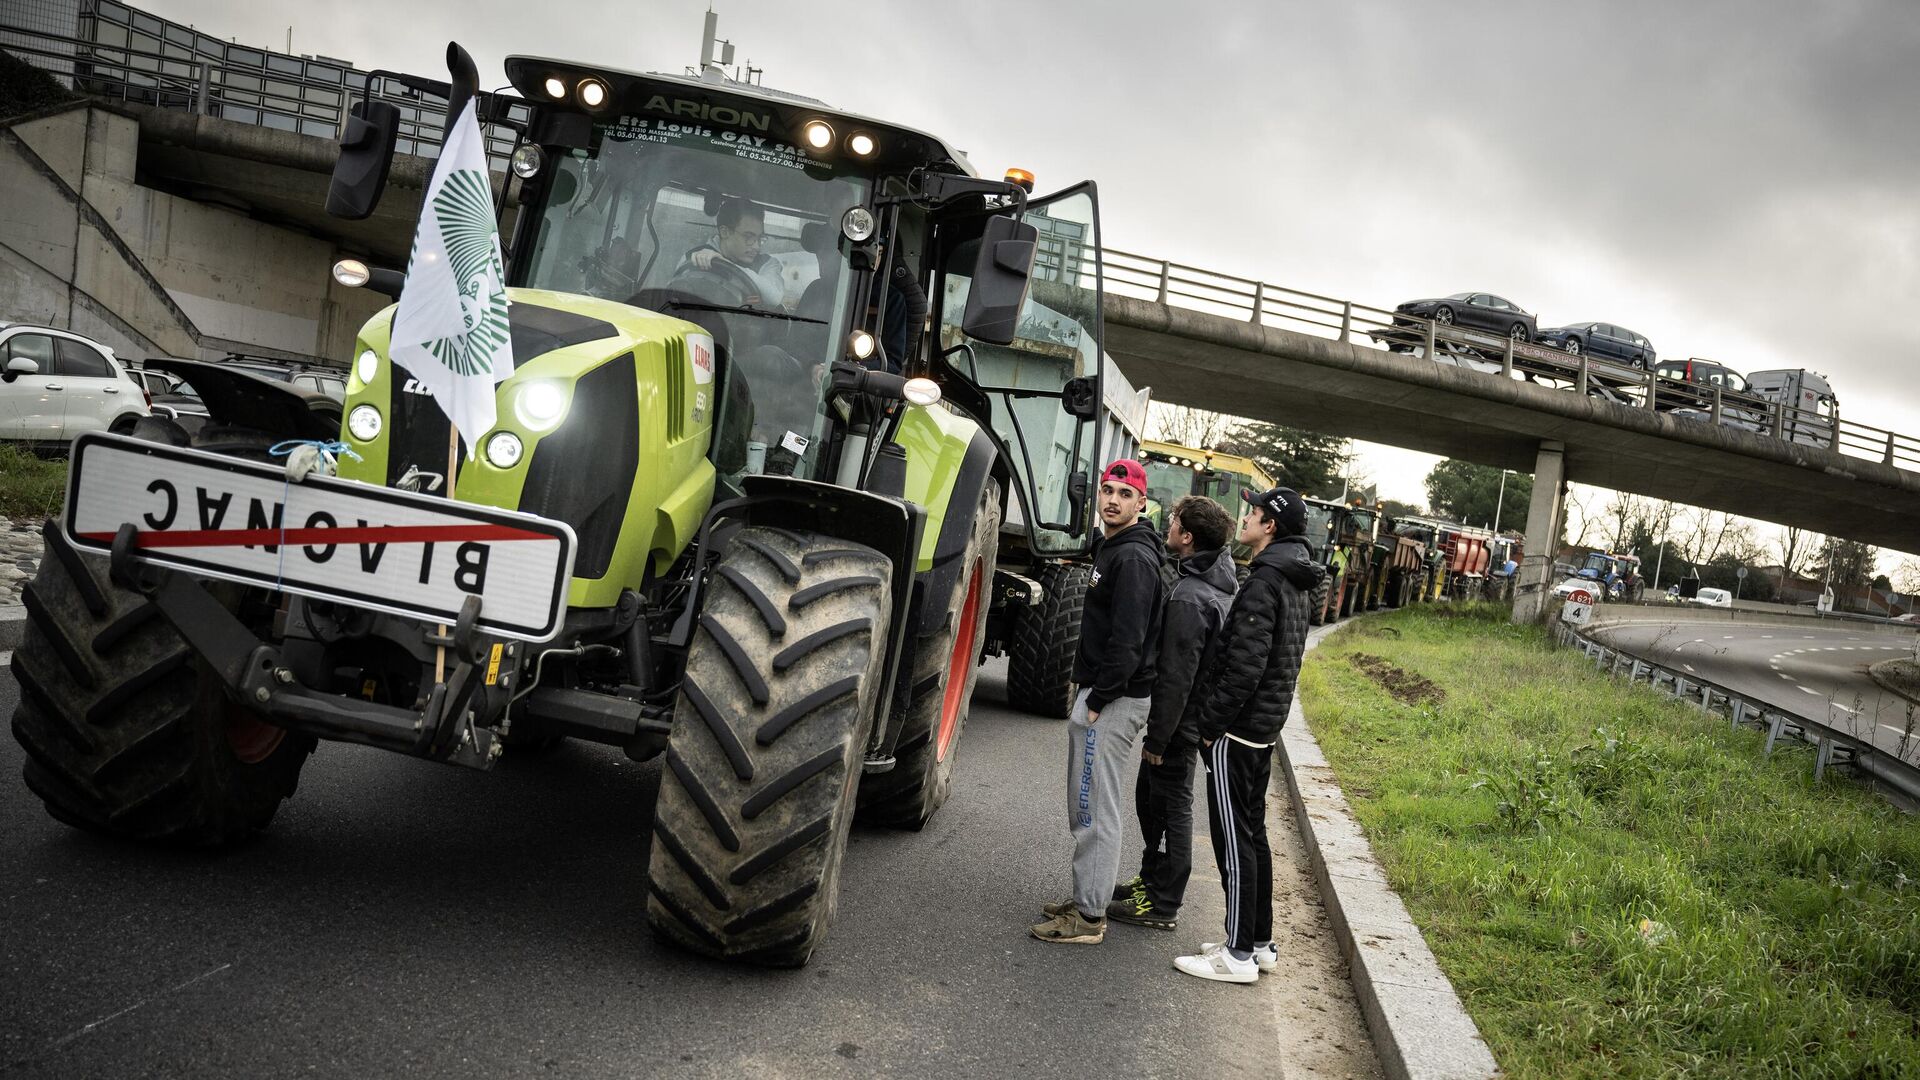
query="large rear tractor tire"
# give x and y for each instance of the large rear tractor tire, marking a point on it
(771, 721)
(1317, 614)
(1045, 640)
(946, 662)
(126, 733)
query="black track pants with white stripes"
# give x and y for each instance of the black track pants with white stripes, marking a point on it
(1237, 778)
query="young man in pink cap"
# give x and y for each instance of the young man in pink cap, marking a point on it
(1114, 670)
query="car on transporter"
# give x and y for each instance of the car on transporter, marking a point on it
(1474, 311)
(1602, 341)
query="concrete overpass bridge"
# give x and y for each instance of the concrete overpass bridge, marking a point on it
(150, 196)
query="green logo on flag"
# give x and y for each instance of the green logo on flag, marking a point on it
(463, 209)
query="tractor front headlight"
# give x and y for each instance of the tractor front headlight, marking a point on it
(364, 423)
(367, 367)
(504, 450)
(540, 404)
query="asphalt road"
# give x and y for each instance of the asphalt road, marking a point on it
(1815, 669)
(404, 917)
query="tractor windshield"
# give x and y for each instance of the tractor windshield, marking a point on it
(737, 233)
(1601, 565)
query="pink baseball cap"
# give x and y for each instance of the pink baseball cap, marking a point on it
(1129, 472)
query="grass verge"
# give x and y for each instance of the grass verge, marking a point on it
(1617, 885)
(31, 488)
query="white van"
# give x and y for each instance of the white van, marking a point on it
(56, 384)
(1714, 598)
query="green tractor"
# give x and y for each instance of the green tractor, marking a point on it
(780, 373)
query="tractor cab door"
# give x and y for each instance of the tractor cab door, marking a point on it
(1041, 392)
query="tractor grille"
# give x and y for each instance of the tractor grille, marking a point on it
(676, 388)
(582, 474)
(419, 432)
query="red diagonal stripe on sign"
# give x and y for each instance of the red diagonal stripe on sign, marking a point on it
(371, 534)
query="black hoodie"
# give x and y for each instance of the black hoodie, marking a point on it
(1250, 681)
(1120, 625)
(1196, 610)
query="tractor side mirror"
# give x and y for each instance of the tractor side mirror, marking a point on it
(1078, 399)
(1000, 275)
(366, 153)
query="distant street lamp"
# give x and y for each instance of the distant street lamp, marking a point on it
(1500, 503)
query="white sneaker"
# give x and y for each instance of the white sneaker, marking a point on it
(1219, 965)
(1266, 956)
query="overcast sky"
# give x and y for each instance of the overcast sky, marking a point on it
(1735, 180)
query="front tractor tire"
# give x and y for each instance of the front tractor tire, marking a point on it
(125, 732)
(1045, 639)
(770, 724)
(946, 663)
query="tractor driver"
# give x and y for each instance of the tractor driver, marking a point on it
(733, 263)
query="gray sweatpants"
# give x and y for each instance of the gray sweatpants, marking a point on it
(1102, 759)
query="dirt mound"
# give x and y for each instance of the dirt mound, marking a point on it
(1406, 687)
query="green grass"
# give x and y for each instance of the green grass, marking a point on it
(30, 489)
(1652, 899)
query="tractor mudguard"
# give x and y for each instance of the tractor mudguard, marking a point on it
(890, 526)
(947, 482)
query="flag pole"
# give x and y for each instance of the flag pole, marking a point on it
(453, 461)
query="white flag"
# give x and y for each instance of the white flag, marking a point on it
(451, 330)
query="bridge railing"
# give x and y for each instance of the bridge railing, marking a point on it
(1358, 323)
(304, 96)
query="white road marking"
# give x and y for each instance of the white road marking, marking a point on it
(1889, 727)
(1726, 637)
(1786, 676)
(1689, 667)
(1768, 636)
(1811, 690)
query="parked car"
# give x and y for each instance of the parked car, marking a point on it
(56, 384)
(1476, 310)
(329, 381)
(1604, 341)
(1908, 619)
(173, 397)
(1713, 598)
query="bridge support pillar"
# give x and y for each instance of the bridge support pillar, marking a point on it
(1532, 593)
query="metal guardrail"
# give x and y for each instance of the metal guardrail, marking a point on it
(1833, 745)
(1230, 296)
(245, 93)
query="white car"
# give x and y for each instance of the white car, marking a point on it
(56, 384)
(1714, 598)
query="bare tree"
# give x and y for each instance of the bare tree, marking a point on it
(1574, 515)
(1793, 545)
(1906, 576)
(1197, 428)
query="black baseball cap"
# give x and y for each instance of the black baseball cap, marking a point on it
(1283, 505)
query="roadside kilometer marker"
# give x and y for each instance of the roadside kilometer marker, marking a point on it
(405, 553)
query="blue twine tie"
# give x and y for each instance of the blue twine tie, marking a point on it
(329, 450)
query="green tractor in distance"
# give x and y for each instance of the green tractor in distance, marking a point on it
(784, 500)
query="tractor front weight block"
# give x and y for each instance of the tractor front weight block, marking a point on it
(259, 677)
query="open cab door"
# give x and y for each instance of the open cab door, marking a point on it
(1037, 366)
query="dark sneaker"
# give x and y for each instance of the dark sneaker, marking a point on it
(1133, 886)
(1138, 910)
(1056, 909)
(1072, 928)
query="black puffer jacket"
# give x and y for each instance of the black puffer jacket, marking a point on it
(1249, 684)
(1196, 610)
(1120, 625)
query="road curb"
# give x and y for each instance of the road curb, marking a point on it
(1875, 672)
(1420, 1029)
(13, 626)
